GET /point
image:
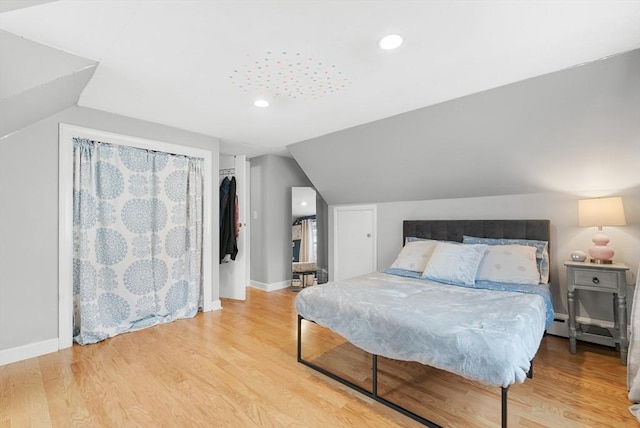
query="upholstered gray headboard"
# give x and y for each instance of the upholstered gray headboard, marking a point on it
(452, 230)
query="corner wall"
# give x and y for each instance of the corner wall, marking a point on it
(272, 178)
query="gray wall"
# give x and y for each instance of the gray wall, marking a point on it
(576, 130)
(322, 226)
(29, 217)
(272, 178)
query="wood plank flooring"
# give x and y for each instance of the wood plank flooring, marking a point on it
(237, 368)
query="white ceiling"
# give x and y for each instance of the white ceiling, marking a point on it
(187, 63)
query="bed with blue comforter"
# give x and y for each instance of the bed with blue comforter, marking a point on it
(483, 333)
(482, 320)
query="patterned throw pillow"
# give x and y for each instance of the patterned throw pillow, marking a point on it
(514, 264)
(414, 255)
(542, 251)
(454, 263)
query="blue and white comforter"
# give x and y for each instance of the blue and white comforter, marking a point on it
(485, 335)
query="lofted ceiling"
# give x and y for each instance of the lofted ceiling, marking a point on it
(199, 65)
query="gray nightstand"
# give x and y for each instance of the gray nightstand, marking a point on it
(606, 278)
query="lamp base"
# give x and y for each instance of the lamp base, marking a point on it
(600, 253)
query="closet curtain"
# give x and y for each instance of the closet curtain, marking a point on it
(137, 232)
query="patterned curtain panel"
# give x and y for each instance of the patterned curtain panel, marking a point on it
(137, 217)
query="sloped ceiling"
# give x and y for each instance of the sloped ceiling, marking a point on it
(199, 65)
(37, 81)
(7, 5)
(576, 131)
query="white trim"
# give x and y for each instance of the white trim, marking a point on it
(271, 286)
(65, 238)
(247, 221)
(374, 233)
(65, 221)
(216, 305)
(25, 352)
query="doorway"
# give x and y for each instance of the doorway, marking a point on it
(354, 241)
(234, 274)
(65, 232)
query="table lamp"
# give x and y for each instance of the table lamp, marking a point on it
(601, 212)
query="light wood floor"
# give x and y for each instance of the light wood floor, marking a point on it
(237, 368)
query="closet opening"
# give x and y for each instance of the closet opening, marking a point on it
(135, 233)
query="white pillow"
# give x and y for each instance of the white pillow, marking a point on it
(514, 264)
(454, 263)
(414, 255)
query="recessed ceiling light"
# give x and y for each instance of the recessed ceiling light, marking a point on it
(261, 103)
(390, 41)
(303, 203)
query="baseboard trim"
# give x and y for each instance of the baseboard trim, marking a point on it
(31, 350)
(216, 305)
(270, 287)
(24, 352)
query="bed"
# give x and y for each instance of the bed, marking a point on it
(496, 315)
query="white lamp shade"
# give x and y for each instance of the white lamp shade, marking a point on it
(601, 212)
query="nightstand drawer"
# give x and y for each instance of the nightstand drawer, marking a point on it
(595, 279)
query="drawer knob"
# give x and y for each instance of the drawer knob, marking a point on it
(595, 280)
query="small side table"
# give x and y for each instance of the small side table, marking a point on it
(606, 278)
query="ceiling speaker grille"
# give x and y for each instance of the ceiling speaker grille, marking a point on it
(288, 74)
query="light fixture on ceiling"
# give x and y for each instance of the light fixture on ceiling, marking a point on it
(390, 41)
(303, 203)
(261, 103)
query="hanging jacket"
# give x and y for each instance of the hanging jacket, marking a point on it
(224, 190)
(228, 241)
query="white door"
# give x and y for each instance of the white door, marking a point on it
(354, 240)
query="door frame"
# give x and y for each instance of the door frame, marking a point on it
(333, 238)
(66, 133)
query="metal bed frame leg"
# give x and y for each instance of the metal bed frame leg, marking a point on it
(504, 406)
(374, 386)
(374, 377)
(299, 338)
